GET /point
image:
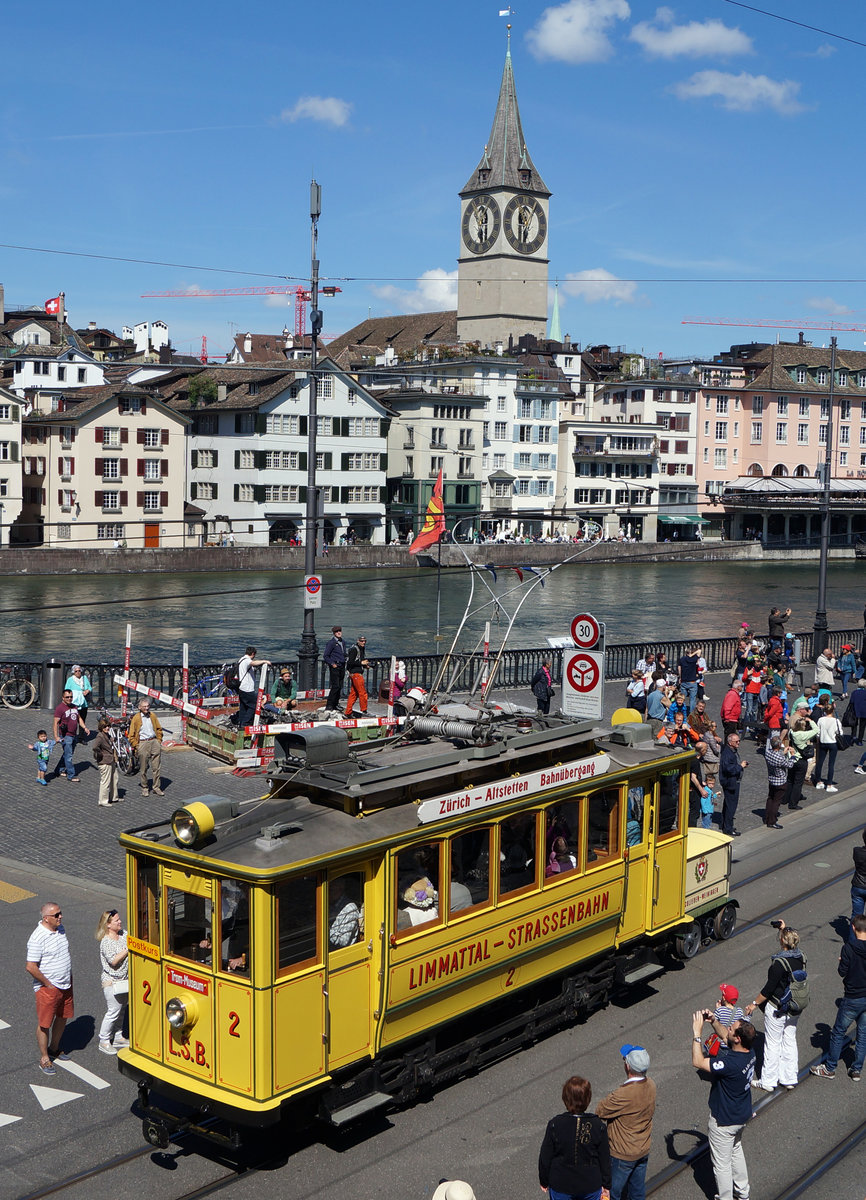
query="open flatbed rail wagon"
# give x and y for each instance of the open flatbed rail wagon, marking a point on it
(393, 915)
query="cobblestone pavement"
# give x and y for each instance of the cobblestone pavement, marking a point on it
(61, 827)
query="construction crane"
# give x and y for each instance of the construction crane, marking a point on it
(302, 297)
(768, 324)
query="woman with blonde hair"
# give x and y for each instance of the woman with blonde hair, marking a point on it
(781, 1058)
(114, 964)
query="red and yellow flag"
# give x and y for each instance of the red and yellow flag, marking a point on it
(434, 521)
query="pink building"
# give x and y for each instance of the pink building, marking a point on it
(764, 412)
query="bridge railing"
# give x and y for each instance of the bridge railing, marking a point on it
(464, 669)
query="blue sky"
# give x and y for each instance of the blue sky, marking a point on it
(690, 142)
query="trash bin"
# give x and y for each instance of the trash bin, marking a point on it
(51, 687)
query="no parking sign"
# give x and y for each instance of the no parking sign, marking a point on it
(312, 591)
(583, 684)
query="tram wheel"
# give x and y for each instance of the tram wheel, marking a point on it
(689, 943)
(724, 922)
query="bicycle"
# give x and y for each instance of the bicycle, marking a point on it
(16, 691)
(207, 688)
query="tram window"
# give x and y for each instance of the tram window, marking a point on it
(345, 910)
(470, 870)
(669, 803)
(147, 900)
(562, 839)
(418, 886)
(603, 824)
(297, 921)
(517, 853)
(188, 933)
(637, 797)
(234, 926)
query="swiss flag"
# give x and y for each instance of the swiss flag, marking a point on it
(52, 306)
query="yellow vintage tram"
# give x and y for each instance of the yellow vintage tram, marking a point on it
(391, 916)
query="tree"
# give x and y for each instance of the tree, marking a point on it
(202, 390)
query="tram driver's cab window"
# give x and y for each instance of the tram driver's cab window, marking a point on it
(517, 853)
(147, 900)
(669, 803)
(602, 825)
(636, 801)
(561, 839)
(418, 886)
(345, 910)
(297, 922)
(189, 919)
(470, 870)
(234, 930)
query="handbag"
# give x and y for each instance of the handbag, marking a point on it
(120, 987)
(841, 741)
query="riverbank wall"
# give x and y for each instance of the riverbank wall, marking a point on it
(227, 559)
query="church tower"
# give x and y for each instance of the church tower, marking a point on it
(502, 269)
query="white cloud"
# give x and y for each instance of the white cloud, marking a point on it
(598, 286)
(826, 304)
(327, 109)
(436, 291)
(576, 32)
(743, 92)
(825, 50)
(661, 38)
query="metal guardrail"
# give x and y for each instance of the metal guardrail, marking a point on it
(515, 670)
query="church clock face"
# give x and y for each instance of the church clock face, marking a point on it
(481, 224)
(525, 224)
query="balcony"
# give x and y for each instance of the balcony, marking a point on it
(438, 445)
(410, 445)
(608, 450)
(464, 446)
(501, 504)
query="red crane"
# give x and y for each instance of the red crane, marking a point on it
(301, 294)
(766, 323)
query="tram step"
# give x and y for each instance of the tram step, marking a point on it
(351, 1112)
(645, 971)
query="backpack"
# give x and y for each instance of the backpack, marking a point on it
(848, 718)
(231, 677)
(795, 998)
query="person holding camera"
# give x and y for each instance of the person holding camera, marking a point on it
(781, 1059)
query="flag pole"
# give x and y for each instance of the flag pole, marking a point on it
(438, 590)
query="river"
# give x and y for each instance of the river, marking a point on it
(85, 616)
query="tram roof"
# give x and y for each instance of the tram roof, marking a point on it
(310, 814)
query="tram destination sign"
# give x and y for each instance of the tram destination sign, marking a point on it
(498, 791)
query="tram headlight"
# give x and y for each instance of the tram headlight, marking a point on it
(195, 822)
(181, 1014)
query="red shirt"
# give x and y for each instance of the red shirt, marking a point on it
(732, 706)
(774, 712)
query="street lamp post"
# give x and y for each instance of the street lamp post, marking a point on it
(308, 655)
(819, 640)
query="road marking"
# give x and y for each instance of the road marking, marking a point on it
(83, 1074)
(12, 894)
(4, 1025)
(51, 1097)
(6, 1119)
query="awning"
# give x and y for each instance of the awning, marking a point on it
(682, 519)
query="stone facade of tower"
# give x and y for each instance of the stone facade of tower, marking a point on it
(502, 269)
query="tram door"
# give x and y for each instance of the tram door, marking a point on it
(668, 837)
(638, 827)
(350, 976)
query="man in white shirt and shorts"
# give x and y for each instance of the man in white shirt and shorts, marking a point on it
(50, 964)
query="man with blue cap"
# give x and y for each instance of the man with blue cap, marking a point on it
(629, 1115)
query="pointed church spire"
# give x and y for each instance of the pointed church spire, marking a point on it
(506, 161)
(555, 327)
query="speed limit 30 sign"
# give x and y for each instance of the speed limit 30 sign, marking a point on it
(585, 631)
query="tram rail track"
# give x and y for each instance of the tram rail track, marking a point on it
(658, 1182)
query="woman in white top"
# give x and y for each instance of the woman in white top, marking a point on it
(828, 727)
(114, 965)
